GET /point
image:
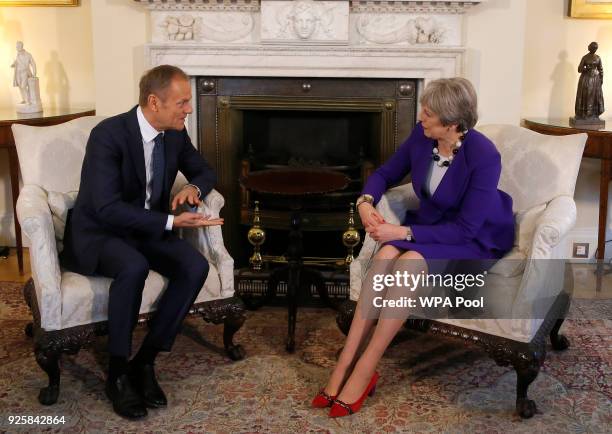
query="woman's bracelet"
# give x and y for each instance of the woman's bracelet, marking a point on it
(364, 198)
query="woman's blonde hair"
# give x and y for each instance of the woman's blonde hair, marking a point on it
(453, 100)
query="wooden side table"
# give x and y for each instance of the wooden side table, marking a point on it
(9, 117)
(598, 145)
(296, 185)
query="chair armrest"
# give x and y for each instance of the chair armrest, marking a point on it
(555, 223)
(545, 272)
(209, 241)
(396, 201)
(392, 206)
(35, 220)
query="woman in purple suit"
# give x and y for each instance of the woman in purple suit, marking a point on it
(462, 215)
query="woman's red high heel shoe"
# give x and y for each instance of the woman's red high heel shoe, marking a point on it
(323, 400)
(340, 409)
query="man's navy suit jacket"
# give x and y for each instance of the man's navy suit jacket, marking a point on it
(111, 197)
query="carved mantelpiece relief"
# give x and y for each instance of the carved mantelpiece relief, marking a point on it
(203, 27)
(304, 21)
(406, 29)
(308, 22)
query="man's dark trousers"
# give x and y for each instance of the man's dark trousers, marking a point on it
(127, 262)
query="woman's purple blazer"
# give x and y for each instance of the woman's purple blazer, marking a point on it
(467, 217)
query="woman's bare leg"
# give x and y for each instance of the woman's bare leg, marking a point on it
(360, 326)
(390, 322)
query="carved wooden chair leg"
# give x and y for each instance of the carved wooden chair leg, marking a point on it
(526, 372)
(344, 317)
(29, 329)
(230, 312)
(559, 342)
(232, 324)
(48, 360)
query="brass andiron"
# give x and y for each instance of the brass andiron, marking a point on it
(256, 236)
(350, 237)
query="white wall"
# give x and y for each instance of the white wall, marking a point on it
(494, 60)
(120, 31)
(554, 46)
(60, 39)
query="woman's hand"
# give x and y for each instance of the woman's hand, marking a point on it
(387, 232)
(369, 216)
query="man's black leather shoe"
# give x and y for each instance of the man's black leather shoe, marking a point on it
(126, 400)
(143, 378)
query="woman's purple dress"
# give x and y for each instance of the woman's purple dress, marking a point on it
(467, 217)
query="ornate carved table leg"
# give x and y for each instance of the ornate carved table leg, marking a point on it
(606, 173)
(312, 276)
(294, 255)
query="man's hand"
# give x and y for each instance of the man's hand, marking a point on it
(188, 194)
(195, 220)
(370, 218)
(387, 232)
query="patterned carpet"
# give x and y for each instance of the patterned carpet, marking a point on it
(428, 384)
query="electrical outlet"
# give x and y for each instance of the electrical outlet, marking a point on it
(580, 250)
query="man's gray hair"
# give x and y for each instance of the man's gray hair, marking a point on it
(453, 100)
(157, 80)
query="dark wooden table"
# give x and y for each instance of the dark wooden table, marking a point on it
(9, 117)
(296, 184)
(598, 145)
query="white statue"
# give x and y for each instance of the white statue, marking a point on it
(27, 82)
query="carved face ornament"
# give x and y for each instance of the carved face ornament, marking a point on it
(304, 20)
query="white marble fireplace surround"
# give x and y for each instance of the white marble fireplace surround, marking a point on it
(307, 38)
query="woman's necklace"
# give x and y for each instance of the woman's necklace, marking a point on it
(435, 152)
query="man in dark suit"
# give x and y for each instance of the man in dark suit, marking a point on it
(121, 227)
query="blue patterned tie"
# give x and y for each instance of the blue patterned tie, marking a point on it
(159, 172)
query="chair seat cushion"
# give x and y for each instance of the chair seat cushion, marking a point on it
(499, 297)
(85, 298)
(511, 265)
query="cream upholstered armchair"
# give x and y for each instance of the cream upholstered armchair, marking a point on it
(539, 172)
(70, 309)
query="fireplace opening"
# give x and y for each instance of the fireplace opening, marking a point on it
(248, 124)
(340, 141)
(308, 139)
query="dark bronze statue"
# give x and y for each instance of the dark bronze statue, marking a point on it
(589, 97)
